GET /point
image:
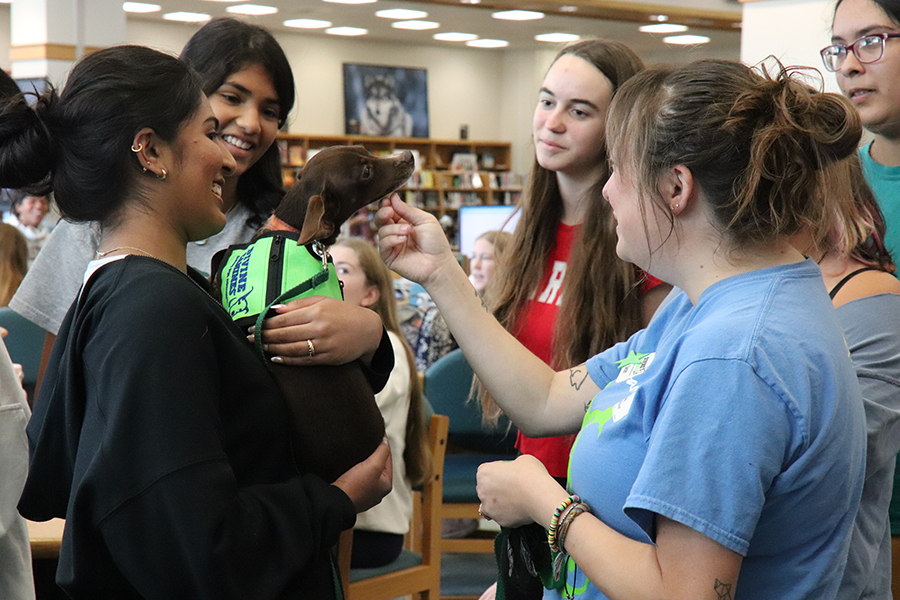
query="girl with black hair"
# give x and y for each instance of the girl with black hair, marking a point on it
(158, 435)
(248, 80)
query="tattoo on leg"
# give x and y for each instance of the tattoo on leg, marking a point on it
(723, 590)
(577, 377)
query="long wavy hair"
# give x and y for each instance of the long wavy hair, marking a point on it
(601, 301)
(416, 455)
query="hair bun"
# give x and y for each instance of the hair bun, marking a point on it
(27, 154)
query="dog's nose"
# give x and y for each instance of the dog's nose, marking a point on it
(406, 157)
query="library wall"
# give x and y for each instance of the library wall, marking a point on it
(464, 85)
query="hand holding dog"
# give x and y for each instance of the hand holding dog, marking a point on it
(340, 332)
(369, 481)
(412, 242)
(517, 492)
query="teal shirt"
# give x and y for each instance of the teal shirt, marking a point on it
(885, 182)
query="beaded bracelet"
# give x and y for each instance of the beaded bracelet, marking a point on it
(563, 530)
(560, 528)
(554, 521)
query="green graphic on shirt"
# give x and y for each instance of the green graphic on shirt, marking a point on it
(633, 358)
(571, 592)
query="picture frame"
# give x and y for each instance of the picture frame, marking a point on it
(385, 101)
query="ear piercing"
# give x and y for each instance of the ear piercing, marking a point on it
(137, 148)
(162, 176)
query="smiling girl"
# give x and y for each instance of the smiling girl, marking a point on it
(159, 436)
(247, 77)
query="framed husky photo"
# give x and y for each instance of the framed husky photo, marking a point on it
(385, 101)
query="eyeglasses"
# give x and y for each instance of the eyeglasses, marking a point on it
(866, 49)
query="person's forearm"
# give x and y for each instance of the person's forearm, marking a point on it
(520, 382)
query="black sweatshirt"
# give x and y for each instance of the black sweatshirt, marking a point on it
(162, 440)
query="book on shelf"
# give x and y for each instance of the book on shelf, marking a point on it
(295, 155)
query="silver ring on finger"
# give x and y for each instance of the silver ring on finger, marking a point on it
(311, 348)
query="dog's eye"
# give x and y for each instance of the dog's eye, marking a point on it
(367, 171)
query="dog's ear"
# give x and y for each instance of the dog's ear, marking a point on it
(315, 226)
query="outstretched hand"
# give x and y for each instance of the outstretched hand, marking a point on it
(369, 481)
(412, 242)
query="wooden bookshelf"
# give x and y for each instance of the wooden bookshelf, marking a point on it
(438, 185)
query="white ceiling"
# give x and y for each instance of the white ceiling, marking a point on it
(724, 43)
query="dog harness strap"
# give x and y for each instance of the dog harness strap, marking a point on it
(304, 286)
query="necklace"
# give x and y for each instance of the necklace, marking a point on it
(116, 249)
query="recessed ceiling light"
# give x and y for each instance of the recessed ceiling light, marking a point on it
(470, 1)
(518, 15)
(186, 17)
(415, 25)
(350, 31)
(686, 40)
(452, 36)
(487, 43)
(140, 7)
(352, 1)
(401, 13)
(659, 18)
(557, 38)
(568, 8)
(663, 28)
(307, 23)
(252, 9)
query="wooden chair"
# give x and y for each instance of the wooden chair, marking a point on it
(417, 571)
(447, 387)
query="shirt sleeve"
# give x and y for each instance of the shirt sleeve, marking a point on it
(53, 281)
(731, 432)
(13, 443)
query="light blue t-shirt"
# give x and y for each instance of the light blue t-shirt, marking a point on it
(885, 182)
(740, 417)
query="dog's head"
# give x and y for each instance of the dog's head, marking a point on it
(334, 184)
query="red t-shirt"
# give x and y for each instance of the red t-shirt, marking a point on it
(535, 332)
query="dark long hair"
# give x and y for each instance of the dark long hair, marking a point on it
(221, 48)
(78, 143)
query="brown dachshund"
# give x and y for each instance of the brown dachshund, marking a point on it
(335, 421)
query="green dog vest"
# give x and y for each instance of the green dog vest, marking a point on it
(274, 270)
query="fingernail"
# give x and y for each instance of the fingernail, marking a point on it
(250, 337)
(384, 440)
(277, 360)
(277, 306)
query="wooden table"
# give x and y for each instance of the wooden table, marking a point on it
(46, 537)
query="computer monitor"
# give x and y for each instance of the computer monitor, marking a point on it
(475, 220)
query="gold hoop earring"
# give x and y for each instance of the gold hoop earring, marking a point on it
(138, 148)
(162, 176)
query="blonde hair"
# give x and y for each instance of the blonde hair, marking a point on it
(13, 261)
(416, 455)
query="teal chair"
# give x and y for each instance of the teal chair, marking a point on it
(447, 386)
(25, 344)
